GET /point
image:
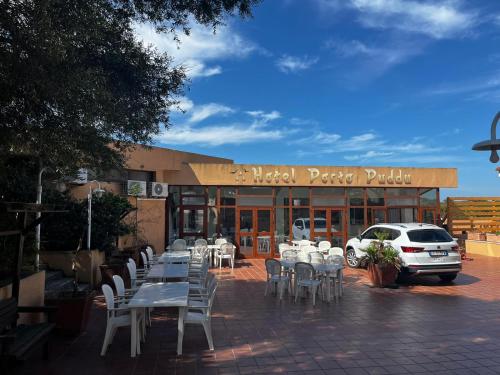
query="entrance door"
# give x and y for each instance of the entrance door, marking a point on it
(328, 225)
(255, 233)
(193, 223)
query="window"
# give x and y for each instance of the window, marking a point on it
(212, 195)
(193, 190)
(402, 215)
(195, 201)
(401, 192)
(300, 197)
(227, 196)
(375, 196)
(428, 197)
(255, 190)
(282, 198)
(370, 234)
(429, 235)
(356, 221)
(356, 197)
(227, 223)
(255, 201)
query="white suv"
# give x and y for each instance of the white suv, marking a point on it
(423, 249)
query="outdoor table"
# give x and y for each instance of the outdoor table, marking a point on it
(175, 257)
(168, 271)
(151, 295)
(318, 267)
(169, 249)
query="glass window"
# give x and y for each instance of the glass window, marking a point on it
(212, 195)
(263, 220)
(300, 197)
(301, 227)
(356, 197)
(428, 197)
(429, 235)
(356, 221)
(212, 222)
(193, 200)
(375, 196)
(255, 190)
(399, 192)
(227, 223)
(428, 216)
(193, 190)
(246, 221)
(407, 201)
(282, 226)
(338, 192)
(173, 213)
(370, 234)
(282, 198)
(255, 201)
(227, 196)
(376, 216)
(328, 196)
(193, 220)
(402, 215)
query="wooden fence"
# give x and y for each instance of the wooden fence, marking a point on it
(473, 214)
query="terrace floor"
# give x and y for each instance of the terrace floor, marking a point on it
(424, 326)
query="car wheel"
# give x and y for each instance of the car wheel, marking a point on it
(352, 259)
(448, 278)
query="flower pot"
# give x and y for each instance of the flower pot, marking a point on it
(382, 275)
(73, 310)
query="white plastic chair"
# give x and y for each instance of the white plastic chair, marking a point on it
(201, 242)
(324, 246)
(338, 277)
(135, 278)
(220, 241)
(145, 261)
(200, 313)
(151, 255)
(124, 295)
(226, 252)
(316, 258)
(289, 255)
(275, 279)
(304, 243)
(117, 316)
(336, 251)
(283, 247)
(305, 278)
(179, 245)
(303, 256)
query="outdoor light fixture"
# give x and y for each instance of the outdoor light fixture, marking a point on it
(98, 192)
(493, 144)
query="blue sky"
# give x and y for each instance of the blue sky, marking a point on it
(344, 82)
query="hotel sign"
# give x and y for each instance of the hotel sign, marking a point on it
(269, 175)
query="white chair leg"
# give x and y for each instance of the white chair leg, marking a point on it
(314, 295)
(267, 285)
(208, 332)
(105, 344)
(296, 292)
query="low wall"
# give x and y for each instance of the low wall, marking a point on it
(491, 249)
(31, 293)
(87, 264)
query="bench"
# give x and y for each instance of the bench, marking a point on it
(18, 342)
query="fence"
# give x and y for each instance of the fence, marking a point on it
(473, 214)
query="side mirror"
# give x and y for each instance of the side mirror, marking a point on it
(359, 237)
(300, 227)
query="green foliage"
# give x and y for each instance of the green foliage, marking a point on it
(68, 231)
(381, 252)
(73, 78)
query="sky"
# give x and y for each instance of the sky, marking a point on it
(344, 83)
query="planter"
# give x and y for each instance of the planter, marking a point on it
(73, 310)
(491, 237)
(382, 276)
(108, 270)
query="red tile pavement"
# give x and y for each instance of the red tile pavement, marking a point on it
(422, 327)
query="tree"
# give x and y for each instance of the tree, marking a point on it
(74, 80)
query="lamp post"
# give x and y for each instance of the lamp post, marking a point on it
(38, 215)
(492, 144)
(98, 192)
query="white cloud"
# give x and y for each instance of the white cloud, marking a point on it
(185, 104)
(204, 111)
(485, 88)
(303, 121)
(234, 133)
(264, 116)
(199, 47)
(294, 64)
(437, 19)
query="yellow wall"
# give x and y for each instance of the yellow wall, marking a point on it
(31, 293)
(491, 249)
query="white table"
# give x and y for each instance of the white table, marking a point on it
(175, 257)
(152, 295)
(168, 271)
(327, 269)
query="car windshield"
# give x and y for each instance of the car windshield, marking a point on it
(429, 235)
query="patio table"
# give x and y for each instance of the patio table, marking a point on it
(327, 269)
(168, 271)
(151, 295)
(175, 257)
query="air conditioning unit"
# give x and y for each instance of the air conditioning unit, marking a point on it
(136, 188)
(159, 189)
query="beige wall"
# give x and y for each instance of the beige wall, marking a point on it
(31, 293)
(87, 264)
(490, 249)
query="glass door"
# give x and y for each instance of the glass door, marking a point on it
(376, 216)
(193, 223)
(246, 232)
(328, 225)
(264, 238)
(255, 228)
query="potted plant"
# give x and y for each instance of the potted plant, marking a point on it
(383, 261)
